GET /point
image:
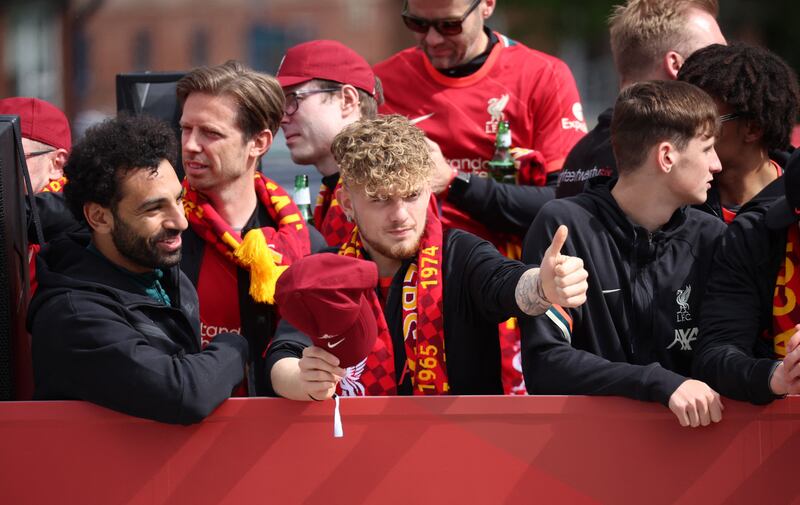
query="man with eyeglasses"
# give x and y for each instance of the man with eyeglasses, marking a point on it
(327, 86)
(757, 95)
(46, 140)
(447, 86)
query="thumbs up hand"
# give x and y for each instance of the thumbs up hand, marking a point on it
(563, 278)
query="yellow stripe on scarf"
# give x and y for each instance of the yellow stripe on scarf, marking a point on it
(254, 254)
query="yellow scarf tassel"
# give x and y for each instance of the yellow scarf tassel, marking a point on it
(254, 254)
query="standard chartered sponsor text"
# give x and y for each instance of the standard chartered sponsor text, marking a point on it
(209, 331)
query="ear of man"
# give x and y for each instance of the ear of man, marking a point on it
(56, 170)
(672, 63)
(350, 102)
(260, 143)
(346, 202)
(667, 156)
(99, 218)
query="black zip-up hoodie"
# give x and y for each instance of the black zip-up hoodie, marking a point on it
(634, 335)
(98, 336)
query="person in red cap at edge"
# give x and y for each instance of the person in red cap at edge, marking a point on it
(327, 87)
(440, 294)
(46, 140)
(461, 81)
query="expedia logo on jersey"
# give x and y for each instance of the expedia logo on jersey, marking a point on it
(684, 336)
(578, 123)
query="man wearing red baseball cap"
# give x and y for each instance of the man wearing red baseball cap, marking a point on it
(441, 293)
(46, 140)
(327, 86)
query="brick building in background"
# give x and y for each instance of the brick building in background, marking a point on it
(69, 51)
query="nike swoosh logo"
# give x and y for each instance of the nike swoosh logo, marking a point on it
(331, 345)
(420, 119)
(609, 291)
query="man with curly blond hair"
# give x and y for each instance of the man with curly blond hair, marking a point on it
(441, 293)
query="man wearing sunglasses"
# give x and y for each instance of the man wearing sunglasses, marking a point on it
(46, 140)
(446, 86)
(447, 83)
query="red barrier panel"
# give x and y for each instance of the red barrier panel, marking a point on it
(401, 450)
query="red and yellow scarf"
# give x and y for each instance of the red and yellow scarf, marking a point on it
(56, 186)
(785, 310)
(423, 324)
(261, 249)
(330, 218)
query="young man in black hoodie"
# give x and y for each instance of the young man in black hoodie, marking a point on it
(647, 255)
(114, 320)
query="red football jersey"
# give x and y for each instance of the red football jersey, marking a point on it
(543, 108)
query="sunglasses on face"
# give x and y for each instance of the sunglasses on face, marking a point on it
(445, 27)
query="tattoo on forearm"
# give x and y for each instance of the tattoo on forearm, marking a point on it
(529, 294)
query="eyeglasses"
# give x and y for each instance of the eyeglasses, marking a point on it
(293, 98)
(445, 27)
(34, 154)
(730, 117)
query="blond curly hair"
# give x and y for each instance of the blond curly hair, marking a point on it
(386, 156)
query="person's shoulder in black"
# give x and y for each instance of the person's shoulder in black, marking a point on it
(591, 158)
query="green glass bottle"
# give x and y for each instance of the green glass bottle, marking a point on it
(501, 165)
(302, 198)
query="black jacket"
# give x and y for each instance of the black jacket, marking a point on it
(479, 293)
(506, 208)
(592, 158)
(732, 356)
(633, 336)
(258, 319)
(97, 336)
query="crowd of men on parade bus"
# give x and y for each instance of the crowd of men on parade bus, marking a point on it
(652, 257)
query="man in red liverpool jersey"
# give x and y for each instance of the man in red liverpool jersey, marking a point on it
(448, 83)
(457, 85)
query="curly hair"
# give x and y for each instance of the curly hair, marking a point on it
(258, 96)
(650, 112)
(642, 31)
(387, 156)
(108, 151)
(754, 82)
